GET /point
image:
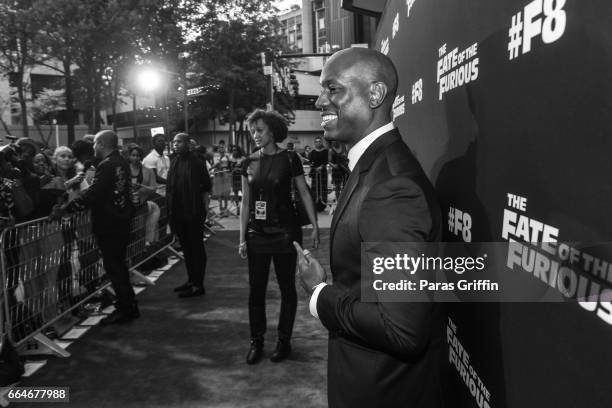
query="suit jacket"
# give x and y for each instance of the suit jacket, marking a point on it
(109, 196)
(381, 354)
(188, 179)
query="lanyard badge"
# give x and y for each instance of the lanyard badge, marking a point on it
(260, 210)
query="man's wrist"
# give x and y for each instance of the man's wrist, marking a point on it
(312, 305)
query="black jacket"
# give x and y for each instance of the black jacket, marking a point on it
(381, 354)
(187, 181)
(109, 196)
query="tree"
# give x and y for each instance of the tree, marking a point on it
(230, 35)
(18, 38)
(44, 109)
(88, 37)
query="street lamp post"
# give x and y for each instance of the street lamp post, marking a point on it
(149, 80)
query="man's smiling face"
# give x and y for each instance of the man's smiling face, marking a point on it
(344, 100)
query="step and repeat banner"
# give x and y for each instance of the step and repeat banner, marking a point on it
(507, 104)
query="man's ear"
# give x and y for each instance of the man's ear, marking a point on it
(378, 93)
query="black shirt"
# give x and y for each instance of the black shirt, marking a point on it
(269, 179)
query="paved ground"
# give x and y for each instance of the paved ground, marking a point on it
(190, 352)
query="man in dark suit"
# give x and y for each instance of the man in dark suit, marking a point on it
(110, 200)
(187, 185)
(381, 354)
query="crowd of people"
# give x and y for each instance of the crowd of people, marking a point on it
(38, 182)
(34, 178)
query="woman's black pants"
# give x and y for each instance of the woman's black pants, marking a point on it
(259, 269)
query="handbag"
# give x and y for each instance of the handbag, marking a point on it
(296, 199)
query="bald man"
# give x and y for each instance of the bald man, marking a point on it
(188, 185)
(109, 198)
(381, 354)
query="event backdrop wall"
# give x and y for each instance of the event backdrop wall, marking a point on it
(507, 105)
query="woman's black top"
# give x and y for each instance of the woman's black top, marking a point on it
(269, 179)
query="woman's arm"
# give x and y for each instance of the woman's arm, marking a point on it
(244, 216)
(302, 189)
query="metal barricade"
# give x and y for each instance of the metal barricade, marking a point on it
(149, 235)
(50, 267)
(325, 188)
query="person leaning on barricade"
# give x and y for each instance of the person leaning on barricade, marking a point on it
(143, 189)
(15, 199)
(109, 198)
(159, 161)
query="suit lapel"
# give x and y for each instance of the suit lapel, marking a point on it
(363, 165)
(347, 191)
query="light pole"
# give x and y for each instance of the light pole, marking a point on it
(183, 57)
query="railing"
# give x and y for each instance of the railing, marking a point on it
(324, 187)
(50, 267)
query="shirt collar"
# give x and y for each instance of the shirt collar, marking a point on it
(360, 147)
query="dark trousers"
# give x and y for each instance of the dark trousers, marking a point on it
(259, 269)
(319, 189)
(114, 248)
(191, 236)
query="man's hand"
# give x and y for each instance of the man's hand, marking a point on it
(56, 212)
(310, 271)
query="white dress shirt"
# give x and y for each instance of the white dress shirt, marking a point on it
(361, 146)
(353, 155)
(161, 163)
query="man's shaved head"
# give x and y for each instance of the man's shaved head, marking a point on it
(105, 142)
(369, 65)
(107, 139)
(359, 87)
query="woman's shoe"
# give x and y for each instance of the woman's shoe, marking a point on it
(282, 351)
(256, 351)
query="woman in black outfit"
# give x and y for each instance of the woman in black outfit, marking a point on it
(269, 225)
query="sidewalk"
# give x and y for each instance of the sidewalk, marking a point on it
(191, 352)
(232, 222)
